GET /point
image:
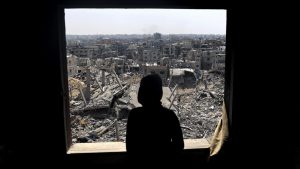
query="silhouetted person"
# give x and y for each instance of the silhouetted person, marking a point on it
(153, 132)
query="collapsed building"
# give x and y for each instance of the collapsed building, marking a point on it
(162, 71)
(184, 78)
(104, 90)
(103, 117)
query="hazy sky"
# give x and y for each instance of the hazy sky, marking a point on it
(144, 21)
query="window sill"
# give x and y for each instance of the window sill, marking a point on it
(120, 147)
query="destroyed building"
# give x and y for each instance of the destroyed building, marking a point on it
(117, 63)
(102, 91)
(208, 59)
(219, 63)
(134, 68)
(164, 61)
(72, 65)
(120, 64)
(151, 55)
(189, 64)
(86, 51)
(192, 54)
(77, 65)
(162, 71)
(168, 50)
(131, 52)
(184, 78)
(197, 107)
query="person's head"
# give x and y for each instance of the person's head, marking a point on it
(150, 91)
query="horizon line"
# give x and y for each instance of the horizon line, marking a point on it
(152, 34)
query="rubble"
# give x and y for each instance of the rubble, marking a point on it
(198, 109)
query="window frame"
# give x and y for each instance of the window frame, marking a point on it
(65, 91)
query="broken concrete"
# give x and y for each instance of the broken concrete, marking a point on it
(198, 108)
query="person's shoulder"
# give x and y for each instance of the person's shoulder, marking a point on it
(171, 115)
(168, 111)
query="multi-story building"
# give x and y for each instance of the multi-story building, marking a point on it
(168, 50)
(77, 65)
(191, 55)
(72, 65)
(86, 51)
(151, 55)
(219, 62)
(208, 59)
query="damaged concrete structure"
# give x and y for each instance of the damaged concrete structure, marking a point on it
(208, 59)
(103, 90)
(104, 118)
(151, 55)
(184, 78)
(72, 65)
(162, 71)
(219, 62)
(77, 65)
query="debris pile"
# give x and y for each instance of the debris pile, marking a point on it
(104, 116)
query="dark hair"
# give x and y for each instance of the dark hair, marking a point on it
(150, 91)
